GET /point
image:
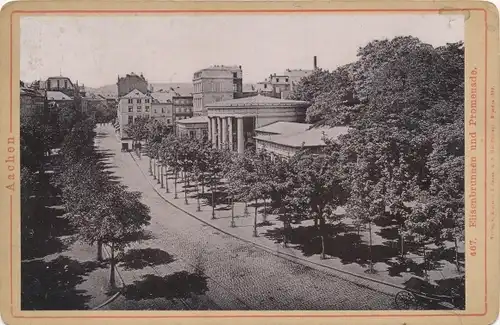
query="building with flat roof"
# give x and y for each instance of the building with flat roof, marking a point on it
(232, 123)
(284, 139)
(194, 127)
(214, 84)
(182, 107)
(131, 106)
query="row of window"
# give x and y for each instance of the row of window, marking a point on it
(131, 119)
(138, 100)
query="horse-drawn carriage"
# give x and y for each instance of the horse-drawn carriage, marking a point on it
(419, 293)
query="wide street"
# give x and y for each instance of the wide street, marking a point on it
(210, 270)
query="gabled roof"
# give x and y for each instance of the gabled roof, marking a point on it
(135, 94)
(57, 95)
(258, 100)
(194, 120)
(309, 138)
(284, 128)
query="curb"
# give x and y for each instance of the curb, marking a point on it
(287, 256)
(113, 297)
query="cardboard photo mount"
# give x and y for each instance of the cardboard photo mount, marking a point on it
(482, 91)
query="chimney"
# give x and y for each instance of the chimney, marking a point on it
(315, 62)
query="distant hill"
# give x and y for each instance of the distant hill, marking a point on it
(183, 88)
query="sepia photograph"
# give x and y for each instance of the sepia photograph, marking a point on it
(258, 162)
(251, 161)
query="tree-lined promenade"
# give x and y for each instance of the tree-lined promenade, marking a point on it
(401, 162)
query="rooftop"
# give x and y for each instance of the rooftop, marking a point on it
(162, 97)
(309, 138)
(135, 94)
(57, 95)
(258, 100)
(284, 128)
(194, 120)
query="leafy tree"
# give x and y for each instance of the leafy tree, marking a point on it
(320, 182)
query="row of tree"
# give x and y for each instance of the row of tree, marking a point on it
(100, 210)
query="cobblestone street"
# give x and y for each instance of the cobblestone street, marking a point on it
(211, 270)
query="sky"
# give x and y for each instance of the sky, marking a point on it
(95, 50)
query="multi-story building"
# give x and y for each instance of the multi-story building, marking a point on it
(162, 108)
(131, 106)
(130, 82)
(215, 84)
(32, 102)
(182, 107)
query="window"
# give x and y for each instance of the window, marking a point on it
(146, 100)
(286, 80)
(192, 134)
(138, 100)
(168, 121)
(130, 119)
(130, 100)
(130, 109)
(155, 110)
(277, 79)
(57, 83)
(66, 84)
(163, 109)
(139, 108)
(147, 108)
(185, 109)
(265, 86)
(235, 74)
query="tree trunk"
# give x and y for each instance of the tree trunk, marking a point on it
(112, 281)
(402, 239)
(425, 262)
(285, 231)
(166, 180)
(202, 184)
(213, 199)
(161, 176)
(371, 258)
(198, 197)
(457, 263)
(232, 213)
(158, 172)
(150, 169)
(315, 222)
(99, 251)
(264, 216)
(175, 184)
(255, 220)
(154, 168)
(322, 235)
(185, 194)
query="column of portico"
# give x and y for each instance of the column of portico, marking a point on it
(230, 135)
(224, 133)
(219, 129)
(214, 131)
(209, 129)
(239, 130)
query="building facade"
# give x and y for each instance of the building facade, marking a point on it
(131, 106)
(182, 107)
(232, 123)
(130, 82)
(194, 127)
(32, 102)
(215, 84)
